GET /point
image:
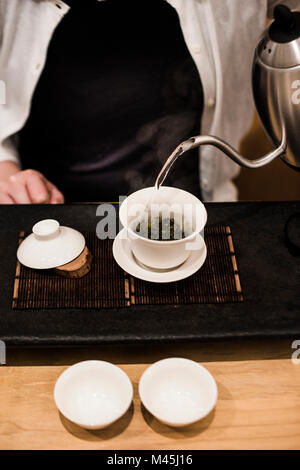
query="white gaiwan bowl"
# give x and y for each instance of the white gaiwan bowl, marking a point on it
(178, 391)
(162, 254)
(50, 245)
(93, 394)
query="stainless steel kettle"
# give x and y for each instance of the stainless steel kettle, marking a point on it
(276, 91)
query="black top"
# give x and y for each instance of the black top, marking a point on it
(118, 92)
(269, 276)
(286, 25)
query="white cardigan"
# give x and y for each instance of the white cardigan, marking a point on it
(221, 36)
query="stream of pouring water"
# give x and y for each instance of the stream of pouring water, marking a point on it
(155, 195)
(180, 149)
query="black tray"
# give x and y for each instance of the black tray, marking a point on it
(270, 278)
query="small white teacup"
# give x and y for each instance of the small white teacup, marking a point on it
(164, 254)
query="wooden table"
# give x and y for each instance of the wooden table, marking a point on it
(258, 405)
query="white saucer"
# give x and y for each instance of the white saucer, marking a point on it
(125, 259)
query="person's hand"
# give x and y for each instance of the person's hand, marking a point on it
(26, 187)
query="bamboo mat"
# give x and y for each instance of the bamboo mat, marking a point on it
(108, 286)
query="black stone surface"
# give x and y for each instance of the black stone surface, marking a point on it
(270, 278)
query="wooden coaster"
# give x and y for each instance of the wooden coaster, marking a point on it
(77, 268)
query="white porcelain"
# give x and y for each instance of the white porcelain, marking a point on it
(93, 394)
(178, 391)
(50, 245)
(163, 254)
(126, 260)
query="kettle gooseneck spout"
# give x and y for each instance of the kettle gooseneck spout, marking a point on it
(199, 140)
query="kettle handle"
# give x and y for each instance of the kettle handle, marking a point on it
(221, 145)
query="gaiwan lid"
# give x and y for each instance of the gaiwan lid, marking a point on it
(50, 245)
